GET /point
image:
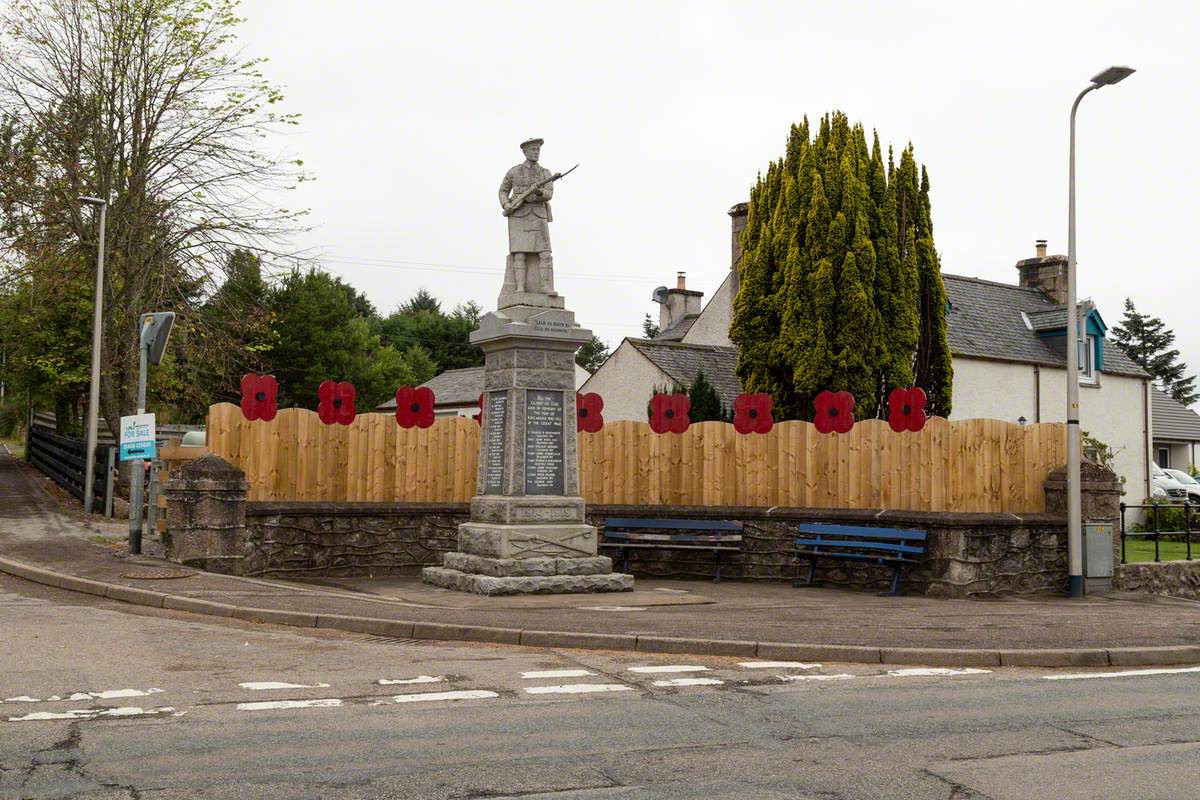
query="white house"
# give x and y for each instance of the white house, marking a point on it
(1008, 345)
(1176, 432)
(456, 391)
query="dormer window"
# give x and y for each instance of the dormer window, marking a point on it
(1088, 368)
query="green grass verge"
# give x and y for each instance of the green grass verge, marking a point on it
(1142, 549)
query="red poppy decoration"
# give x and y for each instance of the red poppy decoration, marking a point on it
(336, 402)
(479, 417)
(414, 407)
(752, 413)
(669, 413)
(259, 394)
(835, 412)
(906, 409)
(588, 412)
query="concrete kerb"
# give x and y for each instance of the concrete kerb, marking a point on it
(1053, 657)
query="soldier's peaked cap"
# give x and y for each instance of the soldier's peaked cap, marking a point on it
(534, 140)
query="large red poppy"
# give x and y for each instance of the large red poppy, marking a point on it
(336, 402)
(669, 413)
(906, 409)
(588, 412)
(259, 393)
(835, 412)
(414, 407)
(752, 413)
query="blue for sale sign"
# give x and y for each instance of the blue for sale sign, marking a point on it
(137, 437)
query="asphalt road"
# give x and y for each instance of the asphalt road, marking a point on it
(106, 700)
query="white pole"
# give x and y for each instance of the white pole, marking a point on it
(89, 478)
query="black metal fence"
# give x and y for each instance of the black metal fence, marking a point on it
(63, 459)
(1169, 525)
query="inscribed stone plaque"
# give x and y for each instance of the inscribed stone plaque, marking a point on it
(496, 415)
(543, 442)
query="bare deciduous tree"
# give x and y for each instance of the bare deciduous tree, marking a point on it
(149, 104)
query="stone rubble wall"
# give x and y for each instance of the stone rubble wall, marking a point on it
(1168, 578)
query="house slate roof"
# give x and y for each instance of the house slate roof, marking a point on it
(681, 362)
(985, 321)
(676, 332)
(453, 387)
(1172, 419)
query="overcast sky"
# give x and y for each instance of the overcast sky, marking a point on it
(412, 112)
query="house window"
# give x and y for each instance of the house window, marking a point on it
(1087, 359)
(1164, 457)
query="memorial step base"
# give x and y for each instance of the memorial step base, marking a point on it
(523, 567)
(526, 584)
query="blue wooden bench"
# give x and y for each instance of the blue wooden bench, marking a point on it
(892, 547)
(715, 535)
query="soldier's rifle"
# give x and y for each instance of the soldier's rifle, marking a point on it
(517, 201)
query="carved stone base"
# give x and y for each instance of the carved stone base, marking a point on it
(532, 584)
(521, 567)
(530, 509)
(527, 541)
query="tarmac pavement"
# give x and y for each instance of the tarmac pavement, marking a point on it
(44, 540)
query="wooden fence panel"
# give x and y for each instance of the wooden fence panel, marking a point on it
(961, 465)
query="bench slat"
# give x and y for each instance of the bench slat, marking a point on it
(858, 557)
(673, 524)
(856, 530)
(837, 544)
(633, 545)
(673, 537)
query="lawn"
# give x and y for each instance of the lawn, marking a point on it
(1142, 549)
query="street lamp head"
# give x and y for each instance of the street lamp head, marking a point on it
(1112, 75)
(92, 201)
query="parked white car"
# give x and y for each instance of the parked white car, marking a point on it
(1159, 479)
(1188, 482)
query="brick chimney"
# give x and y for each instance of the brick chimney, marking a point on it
(739, 215)
(1048, 273)
(680, 302)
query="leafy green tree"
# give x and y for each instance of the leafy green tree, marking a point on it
(649, 329)
(446, 337)
(592, 354)
(705, 402)
(838, 265)
(1147, 341)
(319, 334)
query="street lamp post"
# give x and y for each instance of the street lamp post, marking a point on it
(1074, 498)
(89, 470)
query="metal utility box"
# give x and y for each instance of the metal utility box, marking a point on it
(1098, 556)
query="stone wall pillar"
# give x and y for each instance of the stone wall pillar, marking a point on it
(206, 516)
(1100, 499)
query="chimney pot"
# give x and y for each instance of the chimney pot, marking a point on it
(1041, 248)
(681, 280)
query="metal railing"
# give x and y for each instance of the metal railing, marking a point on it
(62, 459)
(1158, 518)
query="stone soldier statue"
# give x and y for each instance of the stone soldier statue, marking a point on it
(525, 196)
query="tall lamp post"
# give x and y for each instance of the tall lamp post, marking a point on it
(1074, 499)
(89, 470)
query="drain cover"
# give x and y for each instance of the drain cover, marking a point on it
(156, 574)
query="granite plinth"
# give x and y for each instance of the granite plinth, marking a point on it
(527, 541)
(526, 509)
(521, 567)
(532, 584)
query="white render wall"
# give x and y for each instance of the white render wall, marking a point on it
(1116, 411)
(626, 380)
(712, 326)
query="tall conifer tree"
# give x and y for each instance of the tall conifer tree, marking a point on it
(840, 286)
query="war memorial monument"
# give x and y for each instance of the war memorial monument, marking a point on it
(527, 532)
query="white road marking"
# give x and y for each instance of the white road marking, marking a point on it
(91, 713)
(27, 699)
(612, 608)
(916, 672)
(671, 591)
(557, 673)
(668, 668)
(265, 705)
(466, 694)
(579, 688)
(111, 694)
(841, 676)
(107, 694)
(259, 686)
(777, 665)
(406, 681)
(1130, 673)
(690, 682)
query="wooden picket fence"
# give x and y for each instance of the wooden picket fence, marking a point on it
(964, 465)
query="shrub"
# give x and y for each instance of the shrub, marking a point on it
(1171, 517)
